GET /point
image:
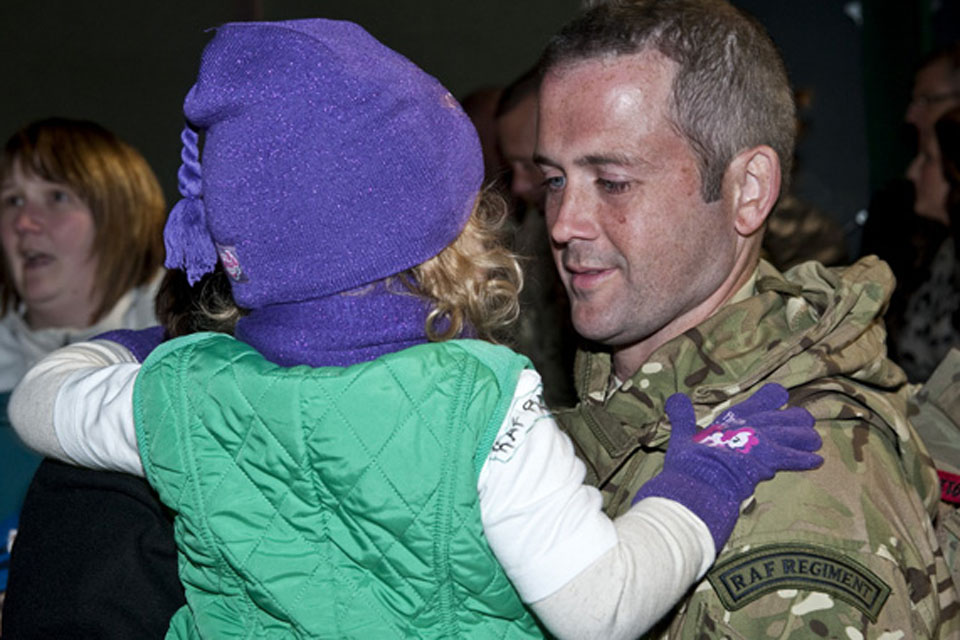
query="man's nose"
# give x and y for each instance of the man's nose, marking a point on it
(570, 217)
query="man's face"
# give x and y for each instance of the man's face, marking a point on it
(517, 137)
(638, 249)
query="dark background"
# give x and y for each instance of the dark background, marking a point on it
(128, 63)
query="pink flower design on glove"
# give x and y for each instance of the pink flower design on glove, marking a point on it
(741, 440)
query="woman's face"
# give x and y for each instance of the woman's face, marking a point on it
(926, 174)
(47, 233)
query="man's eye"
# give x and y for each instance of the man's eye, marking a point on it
(613, 186)
(554, 183)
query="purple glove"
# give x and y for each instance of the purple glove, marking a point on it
(712, 471)
(139, 342)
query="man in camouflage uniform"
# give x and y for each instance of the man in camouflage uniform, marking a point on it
(665, 130)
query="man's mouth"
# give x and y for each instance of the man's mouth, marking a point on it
(584, 278)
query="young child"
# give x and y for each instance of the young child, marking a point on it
(405, 484)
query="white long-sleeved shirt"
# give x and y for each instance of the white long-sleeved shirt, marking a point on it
(583, 575)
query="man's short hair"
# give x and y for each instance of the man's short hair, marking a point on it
(731, 90)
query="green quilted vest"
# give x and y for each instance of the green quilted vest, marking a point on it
(332, 502)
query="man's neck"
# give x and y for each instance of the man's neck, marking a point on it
(627, 360)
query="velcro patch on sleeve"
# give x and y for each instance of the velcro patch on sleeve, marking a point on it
(744, 578)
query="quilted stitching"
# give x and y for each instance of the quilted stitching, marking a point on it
(285, 513)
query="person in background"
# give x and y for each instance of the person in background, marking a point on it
(948, 138)
(798, 231)
(516, 137)
(481, 106)
(81, 216)
(666, 133)
(543, 333)
(930, 328)
(936, 405)
(936, 88)
(908, 220)
(81, 222)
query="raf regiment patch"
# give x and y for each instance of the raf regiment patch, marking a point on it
(746, 577)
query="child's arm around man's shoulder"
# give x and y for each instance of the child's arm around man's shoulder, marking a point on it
(76, 405)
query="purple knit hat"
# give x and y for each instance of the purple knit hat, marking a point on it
(329, 161)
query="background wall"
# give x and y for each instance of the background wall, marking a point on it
(854, 62)
(128, 64)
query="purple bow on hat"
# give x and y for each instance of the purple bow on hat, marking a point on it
(186, 237)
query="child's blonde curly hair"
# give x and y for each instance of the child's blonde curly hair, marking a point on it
(474, 283)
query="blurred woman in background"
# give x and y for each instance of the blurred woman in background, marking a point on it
(81, 223)
(932, 319)
(81, 229)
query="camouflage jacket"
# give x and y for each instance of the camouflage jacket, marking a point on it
(846, 551)
(935, 413)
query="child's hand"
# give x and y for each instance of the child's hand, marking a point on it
(713, 470)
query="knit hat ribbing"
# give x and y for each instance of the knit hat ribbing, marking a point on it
(329, 161)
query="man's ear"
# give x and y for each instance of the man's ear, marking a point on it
(754, 182)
